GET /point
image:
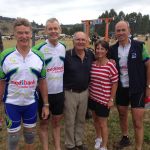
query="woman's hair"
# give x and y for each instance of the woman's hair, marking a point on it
(103, 44)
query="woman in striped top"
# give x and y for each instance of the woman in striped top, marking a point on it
(102, 89)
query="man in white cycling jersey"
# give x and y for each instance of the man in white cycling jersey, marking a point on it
(21, 69)
(54, 54)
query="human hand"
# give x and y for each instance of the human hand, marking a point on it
(110, 104)
(45, 112)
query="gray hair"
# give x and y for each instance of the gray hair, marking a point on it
(74, 35)
(21, 21)
(51, 20)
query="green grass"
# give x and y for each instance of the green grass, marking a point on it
(68, 42)
(114, 133)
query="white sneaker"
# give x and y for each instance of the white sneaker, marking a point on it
(98, 142)
(103, 148)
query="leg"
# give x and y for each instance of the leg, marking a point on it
(56, 130)
(43, 133)
(137, 115)
(80, 117)
(122, 101)
(57, 107)
(123, 116)
(43, 125)
(29, 136)
(70, 108)
(29, 118)
(98, 139)
(13, 140)
(13, 123)
(96, 125)
(93, 106)
(102, 121)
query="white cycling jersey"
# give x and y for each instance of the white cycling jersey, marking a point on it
(21, 75)
(54, 62)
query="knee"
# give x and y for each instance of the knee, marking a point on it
(96, 120)
(13, 139)
(103, 124)
(55, 122)
(44, 125)
(138, 124)
(29, 136)
(123, 116)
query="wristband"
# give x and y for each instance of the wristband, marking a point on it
(46, 104)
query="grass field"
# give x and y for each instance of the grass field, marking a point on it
(113, 124)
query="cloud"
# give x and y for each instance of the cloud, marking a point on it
(67, 11)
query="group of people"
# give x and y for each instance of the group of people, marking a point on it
(58, 83)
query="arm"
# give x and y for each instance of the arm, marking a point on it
(44, 93)
(146, 59)
(113, 93)
(147, 64)
(2, 88)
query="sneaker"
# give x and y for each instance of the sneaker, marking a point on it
(124, 142)
(82, 147)
(103, 148)
(98, 142)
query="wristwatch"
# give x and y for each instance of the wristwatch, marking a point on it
(148, 86)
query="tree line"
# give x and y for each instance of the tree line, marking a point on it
(139, 24)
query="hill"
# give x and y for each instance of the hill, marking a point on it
(6, 27)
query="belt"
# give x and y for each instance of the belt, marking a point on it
(76, 90)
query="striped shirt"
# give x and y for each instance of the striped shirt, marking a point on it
(101, 81)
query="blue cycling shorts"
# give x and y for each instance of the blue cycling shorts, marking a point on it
(15, 115)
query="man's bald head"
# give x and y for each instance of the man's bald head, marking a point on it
(122, 31)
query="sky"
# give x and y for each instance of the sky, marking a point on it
(69, 11)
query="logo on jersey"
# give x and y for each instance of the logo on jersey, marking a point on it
(24, 83)
(46, 50)
(12, 60)
(55, 69)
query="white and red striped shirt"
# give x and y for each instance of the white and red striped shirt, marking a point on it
(101, 81)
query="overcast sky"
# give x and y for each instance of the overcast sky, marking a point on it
(69, 11)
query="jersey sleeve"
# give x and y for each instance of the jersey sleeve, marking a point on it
(43, 71)
(41, 57)
(38, 46)
(2, 74)
(145, 54)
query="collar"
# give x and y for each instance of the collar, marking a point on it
(29, 53)
(73, 52)
(127, 44)
(50, 44)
